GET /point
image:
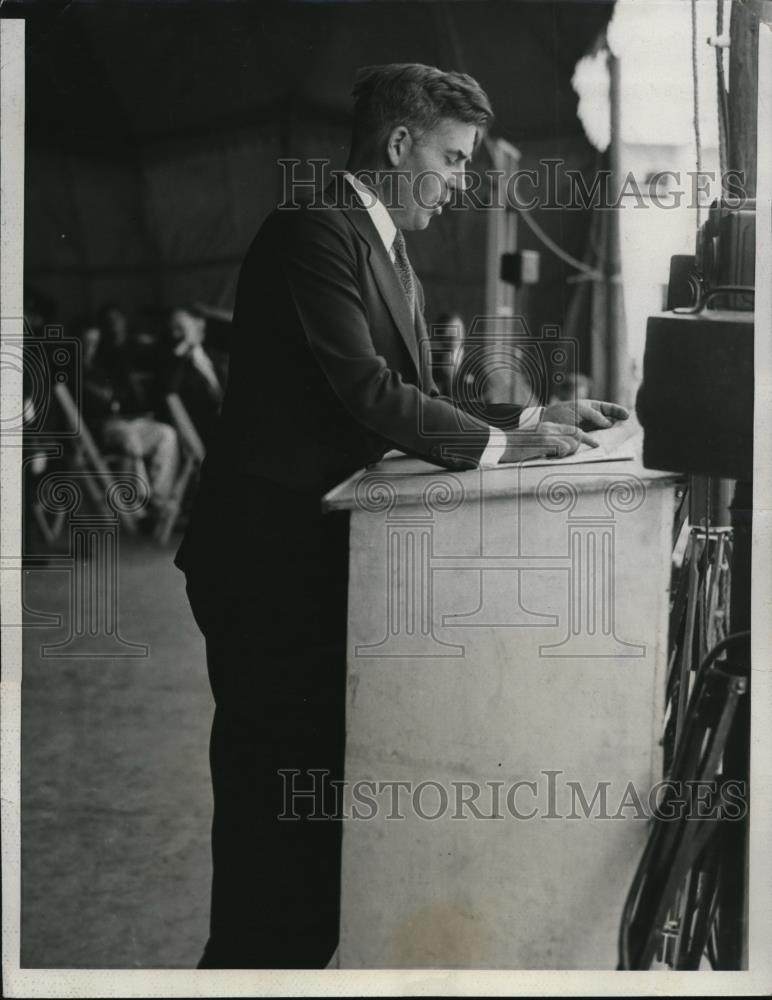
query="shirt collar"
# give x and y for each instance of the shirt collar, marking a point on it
(377, 211)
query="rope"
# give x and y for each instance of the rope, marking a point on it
(723, 107)
(696, 102)
(592, 273)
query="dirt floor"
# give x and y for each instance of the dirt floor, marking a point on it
(115, 779)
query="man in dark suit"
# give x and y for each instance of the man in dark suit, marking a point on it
(328, 372)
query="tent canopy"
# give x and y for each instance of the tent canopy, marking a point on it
(108, 75)
(154, 131)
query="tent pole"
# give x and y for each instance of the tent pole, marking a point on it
(618, 387)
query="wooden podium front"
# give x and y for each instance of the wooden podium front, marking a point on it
(506, 676)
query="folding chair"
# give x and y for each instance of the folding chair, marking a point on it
(49, 523)
(193, 454)
(88, 457)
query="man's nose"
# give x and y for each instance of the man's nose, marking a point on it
(458, 180)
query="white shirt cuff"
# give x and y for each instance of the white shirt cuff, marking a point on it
(497, 442)
(497, 445)
(530, 416)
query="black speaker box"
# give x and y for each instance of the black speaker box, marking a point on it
(695, 403)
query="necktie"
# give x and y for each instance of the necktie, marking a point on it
(404, 270)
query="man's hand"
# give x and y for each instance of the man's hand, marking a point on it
(547, 439)
(588, 414)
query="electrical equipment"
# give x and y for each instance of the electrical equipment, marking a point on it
(696, 400)
(726, 254)
(520, 268)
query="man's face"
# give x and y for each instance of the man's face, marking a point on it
(117, 327)
(90, 339)
(435, 165)
(187, 331)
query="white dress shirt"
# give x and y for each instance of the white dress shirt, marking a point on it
(383, 222)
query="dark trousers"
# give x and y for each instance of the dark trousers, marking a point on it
(274, 617)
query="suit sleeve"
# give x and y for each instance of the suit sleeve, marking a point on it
(320, 268)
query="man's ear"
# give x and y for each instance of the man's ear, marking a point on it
(399, 143)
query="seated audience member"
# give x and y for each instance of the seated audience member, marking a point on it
(464, 372)
(196, 372)
(129, 353)
(447, 346)
(144, 341)
(34, 412)
(114, 325)
(115, 416)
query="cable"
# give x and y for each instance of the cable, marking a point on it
(704, 298)
(632, 895)
(705, 595)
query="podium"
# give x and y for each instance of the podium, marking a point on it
(506, 677)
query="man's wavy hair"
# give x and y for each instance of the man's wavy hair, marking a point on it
(416, 96)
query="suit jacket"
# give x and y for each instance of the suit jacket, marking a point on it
(328, 369)
(108, 389)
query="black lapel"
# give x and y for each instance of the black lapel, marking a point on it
(346, 198)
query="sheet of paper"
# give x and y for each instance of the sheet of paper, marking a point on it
(618, 443)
